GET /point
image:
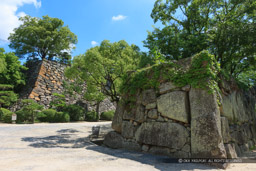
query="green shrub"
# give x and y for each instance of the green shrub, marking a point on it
(91, 116)
(61, 117)
(47, 115)
(59, 102)
(29, 111)
(6, 115)
(7, 95)
(51, 115)
(22, 116)
(108, 116)
(75, 112)
(2, 111)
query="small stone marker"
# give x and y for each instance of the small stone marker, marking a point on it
(14, 118)
(95, 131)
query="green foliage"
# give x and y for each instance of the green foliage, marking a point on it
(6, 115)
(7, 118)
(51, 115)
(247, 79)
(225, 28)
(75, 112)
(59, 102)
(61, 117)
(92, 116)
(47, 115)
(29, 111)
(108, 116)
(6, 87)
(7, 96)
(12, 72)
(202, 74)
(73, 87)
(2, 61)
(102, 68)
(45, 38)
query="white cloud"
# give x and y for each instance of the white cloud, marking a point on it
(94, 43)
(9, 18)
(119, 17)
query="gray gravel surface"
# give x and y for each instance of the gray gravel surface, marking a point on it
(66, 146)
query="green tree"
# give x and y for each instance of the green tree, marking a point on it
(29, 111)
(12, 71)
(2, 63)
(7, 96)
(103, 67)
(44, 38)
(226, 28)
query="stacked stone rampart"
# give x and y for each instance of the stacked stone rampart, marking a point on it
(46, 78)
(185, 122)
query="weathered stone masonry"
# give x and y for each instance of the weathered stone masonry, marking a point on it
(45, 78)
(184, 122)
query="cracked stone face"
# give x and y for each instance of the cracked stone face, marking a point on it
(173, 105)
(167, 134)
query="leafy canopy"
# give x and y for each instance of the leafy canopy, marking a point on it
(11, 70)
(103, 67)
(226, 28)
(44, 38)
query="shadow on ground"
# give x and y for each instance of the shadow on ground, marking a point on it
(162, 163)
(68, 138)
(65, 138)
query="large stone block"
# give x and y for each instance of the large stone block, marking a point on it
(159, 150)
(227, 108)
(238, 150)
(129, 145)
(206, 138)
(118, 118)
(113, 140)
(165, 87)
(173, 105)
(140, 113)
(231, 152)
(163, 134)
(180, 154)
(225, 130)
(127, 129)
(237, 137)
(234, 108)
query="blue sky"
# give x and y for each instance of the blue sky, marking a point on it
(91, 20)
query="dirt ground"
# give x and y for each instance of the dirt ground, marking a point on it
(66, 146)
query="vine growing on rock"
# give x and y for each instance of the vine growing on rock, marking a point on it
(201, 72)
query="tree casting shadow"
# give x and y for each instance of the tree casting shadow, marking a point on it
(66, 138)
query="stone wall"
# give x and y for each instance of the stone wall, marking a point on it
(45, 78)
(238, 120)
(184, 122)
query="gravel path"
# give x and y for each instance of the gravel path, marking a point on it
(66, 146)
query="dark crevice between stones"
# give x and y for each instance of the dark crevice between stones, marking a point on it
(187, 102)
(188, 108)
